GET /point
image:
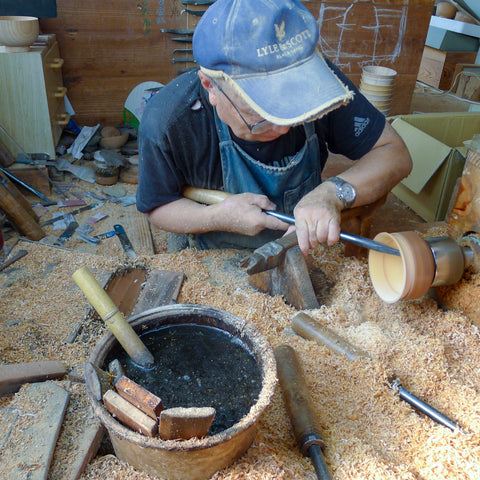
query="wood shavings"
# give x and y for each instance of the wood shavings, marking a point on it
(369, 431)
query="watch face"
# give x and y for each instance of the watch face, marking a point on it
(347, 193)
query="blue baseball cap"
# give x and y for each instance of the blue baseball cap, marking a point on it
(267, 51)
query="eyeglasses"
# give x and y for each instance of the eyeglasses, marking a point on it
(257, 128)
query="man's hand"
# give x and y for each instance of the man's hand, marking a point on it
(317, 217)
(242, 213)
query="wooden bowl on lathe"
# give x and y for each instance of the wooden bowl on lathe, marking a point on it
(18, 33)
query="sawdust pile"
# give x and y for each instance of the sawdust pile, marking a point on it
(368, 430)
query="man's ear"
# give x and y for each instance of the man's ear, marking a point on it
(209, 86)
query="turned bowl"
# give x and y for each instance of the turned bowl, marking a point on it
(18, 33)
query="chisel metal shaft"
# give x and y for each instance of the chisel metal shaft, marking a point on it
(346, 237)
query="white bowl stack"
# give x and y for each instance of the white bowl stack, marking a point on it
(377, 85)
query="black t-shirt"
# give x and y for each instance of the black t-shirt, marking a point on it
(179, 145)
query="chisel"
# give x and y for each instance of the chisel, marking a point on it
(299, 407)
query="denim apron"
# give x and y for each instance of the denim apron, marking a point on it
(283, 184)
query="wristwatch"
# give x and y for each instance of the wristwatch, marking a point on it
(345, 191)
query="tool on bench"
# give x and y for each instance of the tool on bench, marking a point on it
(124, 240)
(299, 407)
(67, 233)
(40, 195)
(20, 254)
(420, 405)
(206, 196)
(310, 329)
(74, 212)
(113, 318)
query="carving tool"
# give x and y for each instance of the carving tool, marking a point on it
(67, 233)
(124, 240)
(299, 407)
(20, 254)
(423, 407)
(177, 31)
(74, 212)
(186, 60)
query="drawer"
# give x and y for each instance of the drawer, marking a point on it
(52, 69)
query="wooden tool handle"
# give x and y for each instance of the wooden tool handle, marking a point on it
(204, 195)
(113, 318)
(308, 328)
(296, 397)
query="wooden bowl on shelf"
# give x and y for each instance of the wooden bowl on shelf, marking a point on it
(18, 33)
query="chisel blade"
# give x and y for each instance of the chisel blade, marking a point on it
(124, 240)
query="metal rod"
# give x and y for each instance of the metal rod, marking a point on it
(318, 461)
(25, 185)
(346, 237)
(423, 407)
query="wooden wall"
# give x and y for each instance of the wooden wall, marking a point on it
(110, 46)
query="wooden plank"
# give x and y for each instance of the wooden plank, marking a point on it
(47, 404)
(87, 445)
(161, 288)
(129, 414)
(14, 375)
(137, 227)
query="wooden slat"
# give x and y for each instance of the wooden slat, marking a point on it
(137, 227)
(47, 404)
(129, 414)
(14, 375)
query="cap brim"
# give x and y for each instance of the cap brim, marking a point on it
(293, 95)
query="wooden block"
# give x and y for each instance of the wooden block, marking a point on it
(14, 375)
(291, 279)
(183, 423)
(129, 414)
(437, 67)
(469, 83)
(139, 396)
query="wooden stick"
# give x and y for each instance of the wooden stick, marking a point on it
(139, 396)
(14, 375)
(129, 414)
(183, 423)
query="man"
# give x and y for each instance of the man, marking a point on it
(257, 120)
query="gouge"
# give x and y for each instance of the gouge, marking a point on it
(299, 407)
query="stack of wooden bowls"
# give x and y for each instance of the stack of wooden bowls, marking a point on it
(377, 85)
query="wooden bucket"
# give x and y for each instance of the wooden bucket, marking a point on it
(194, 459)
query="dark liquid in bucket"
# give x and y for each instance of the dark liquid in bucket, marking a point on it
(198, 366)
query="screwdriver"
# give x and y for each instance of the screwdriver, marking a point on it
(299, 407)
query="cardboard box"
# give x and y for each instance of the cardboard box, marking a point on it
(435, 142)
